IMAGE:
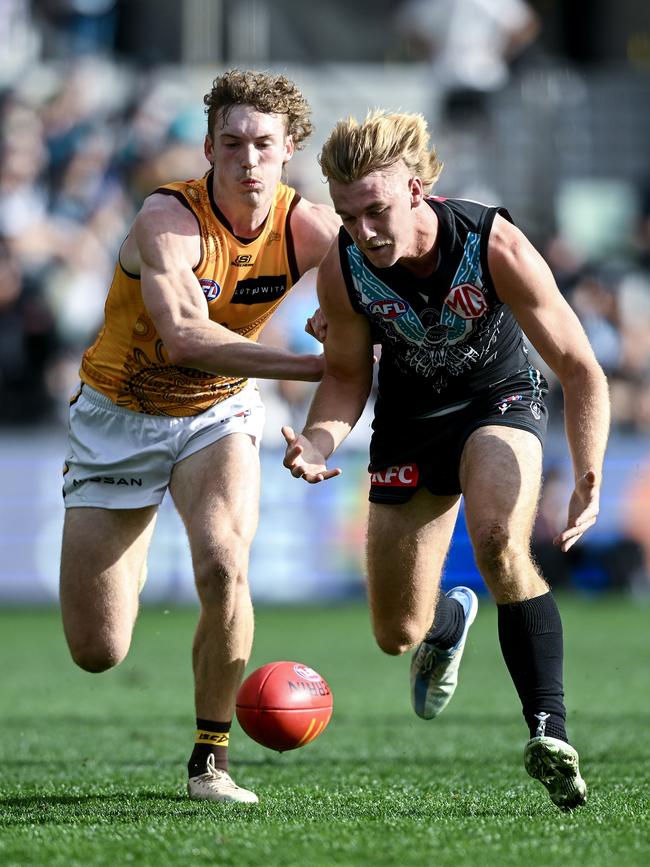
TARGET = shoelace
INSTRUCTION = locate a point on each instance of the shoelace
(213, 773)
(425, 663)
(431, 656)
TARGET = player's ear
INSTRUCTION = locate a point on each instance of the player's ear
(416, 190)
(289, 148)
(208, 149)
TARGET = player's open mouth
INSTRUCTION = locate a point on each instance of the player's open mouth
(375, 247)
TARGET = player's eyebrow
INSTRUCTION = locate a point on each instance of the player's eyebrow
(236, 137)
(369, 207)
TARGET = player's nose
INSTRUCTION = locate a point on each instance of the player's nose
(249, 156)
(364, 230)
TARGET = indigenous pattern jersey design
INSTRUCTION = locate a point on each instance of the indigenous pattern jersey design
(244, 281)
(444, 337)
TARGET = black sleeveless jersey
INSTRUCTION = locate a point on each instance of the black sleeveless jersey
(445, 337)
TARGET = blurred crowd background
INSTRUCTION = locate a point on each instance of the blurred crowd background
(542, 106)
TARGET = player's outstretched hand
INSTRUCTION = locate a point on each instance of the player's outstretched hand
(583, 511)
(303, 460)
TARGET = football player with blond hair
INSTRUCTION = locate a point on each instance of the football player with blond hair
(449, 287)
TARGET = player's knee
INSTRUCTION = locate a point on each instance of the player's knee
(219, 575)
(96, 657)
(396, 640)
(494, 549)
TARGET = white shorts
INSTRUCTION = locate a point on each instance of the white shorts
(120, 459)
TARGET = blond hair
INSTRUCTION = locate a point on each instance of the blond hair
(355, 149)
(271, 94)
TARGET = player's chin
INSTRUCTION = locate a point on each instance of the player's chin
(253, 195)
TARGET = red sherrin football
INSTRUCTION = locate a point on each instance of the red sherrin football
(284, 705)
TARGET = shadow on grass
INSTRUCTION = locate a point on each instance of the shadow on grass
(453, 757)
(105, 810)
(133, 806)
(26, 802)
(465, 719)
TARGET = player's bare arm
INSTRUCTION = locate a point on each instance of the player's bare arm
(344, 389)
(314, 227)
(524, 281)
(166, 237)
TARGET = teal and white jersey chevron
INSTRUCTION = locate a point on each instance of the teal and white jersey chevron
(375, 296)
(439, 341)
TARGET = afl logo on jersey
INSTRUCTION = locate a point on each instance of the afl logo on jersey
(466, 301)
(211, 289)
(388, 308)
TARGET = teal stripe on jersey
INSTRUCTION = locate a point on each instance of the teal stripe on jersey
(370, 288)
(469, 269)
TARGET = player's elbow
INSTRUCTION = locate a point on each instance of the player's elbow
(352, 387)
(583, 375)
(181, 349)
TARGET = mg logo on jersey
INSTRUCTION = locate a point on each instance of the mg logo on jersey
(388, 309)
(466, 301)
(403, 476)
(211, 288)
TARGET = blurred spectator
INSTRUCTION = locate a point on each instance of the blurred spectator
(23, 190)
(470, 45)
(637, 525)
(613, 304)
(19, 38)
(80, 150)
(77, 27)
(619, 563)
(596, 303)
(27, 344)
(564, 260)
(181, 153)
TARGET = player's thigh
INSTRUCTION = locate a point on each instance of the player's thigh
(500, 473)
(102, 558)
(407, 546)
(216, 493)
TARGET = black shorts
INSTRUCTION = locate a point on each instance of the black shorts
(407, 454)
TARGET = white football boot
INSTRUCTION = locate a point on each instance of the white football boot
(218, 785)
(555, 764)
(434, 672)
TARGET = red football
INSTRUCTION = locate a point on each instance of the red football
(284, 705)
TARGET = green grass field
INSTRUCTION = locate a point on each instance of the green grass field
(92, 767)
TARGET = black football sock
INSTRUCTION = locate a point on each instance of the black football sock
(530, 634)
(448, 623)
(211, 739)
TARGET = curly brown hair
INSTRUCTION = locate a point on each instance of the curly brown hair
(355, 149)
(272, 94)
